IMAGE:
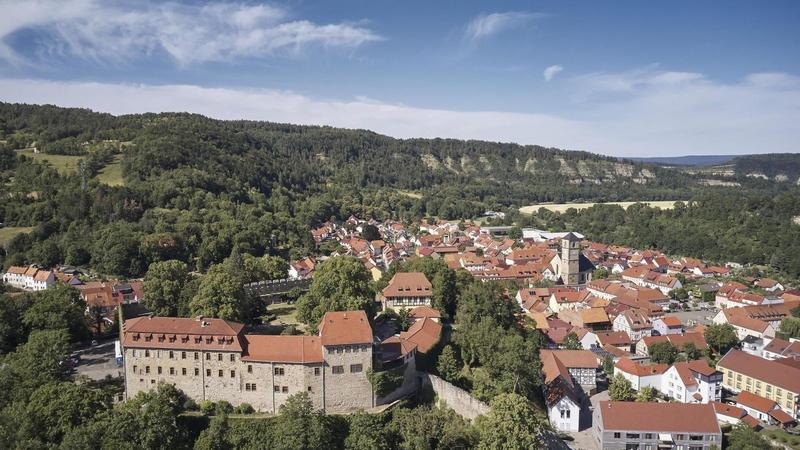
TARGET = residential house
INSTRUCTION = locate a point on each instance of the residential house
(692, 382)
(562, 395)
(777, 380)
(779, 348)
(667, 325)
(629, 425)
(640, 375)
(643, 276)
(302, 268)
(563, 300)
(407, 290)
(768, 284)
(731, 415)
(29, 278)
(763, 409)
(618, 339)
(633, 322)
(424, 312)
(594, 319)
(677, 340)
(581, 364)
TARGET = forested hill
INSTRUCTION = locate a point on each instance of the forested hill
(780, 167)
(120, 192)
(301, 157)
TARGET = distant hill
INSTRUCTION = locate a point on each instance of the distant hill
(780, 167)
(688, 160)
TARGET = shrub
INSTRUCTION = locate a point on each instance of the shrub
(222, 407)
(190, 404)
(244, 408)
(207, 407)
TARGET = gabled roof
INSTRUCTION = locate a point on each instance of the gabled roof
(658, 417)
(344, 328)
(754, 401)
(728, 410)
(678, 340)
(671, 321)
(627, 365)
(423, 333)
(613, 338)
(423, 311)
(773, 372)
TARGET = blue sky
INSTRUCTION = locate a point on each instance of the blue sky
(624, 78)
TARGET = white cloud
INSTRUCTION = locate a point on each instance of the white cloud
(551, 72)
(657, 112)
(486, 25)
(188, 33)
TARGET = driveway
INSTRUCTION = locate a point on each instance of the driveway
(98, 362)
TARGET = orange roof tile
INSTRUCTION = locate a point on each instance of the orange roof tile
(286, 349)
(345, 327)
(408, 284)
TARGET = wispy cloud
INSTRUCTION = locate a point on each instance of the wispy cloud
(551, 71)
(188, 33)
(486, 25)
(644, 112)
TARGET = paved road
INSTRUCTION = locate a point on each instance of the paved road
(97, 362)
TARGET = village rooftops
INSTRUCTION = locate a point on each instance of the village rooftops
(658, 417)
(408, 284)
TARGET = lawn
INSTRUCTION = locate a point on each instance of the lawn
(8, 233)
(561, 207)
(112, 173)
(285, 315)
(62, 163)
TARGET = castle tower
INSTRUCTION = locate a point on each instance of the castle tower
(570, 259)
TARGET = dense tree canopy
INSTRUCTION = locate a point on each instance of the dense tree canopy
(340, 284)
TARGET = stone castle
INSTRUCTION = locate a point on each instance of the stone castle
(211, 359)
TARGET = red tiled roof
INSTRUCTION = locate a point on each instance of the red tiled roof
(671, 321)
(678, 340)
(345, 327)
(424, 311)
(781, 416)
(423, 333)
(613, 337)
(728, 410)
(780, 375)
(286, 349)
(408, 284)
(627, 365)
(182, 333)
(656, 417)
(754, 401)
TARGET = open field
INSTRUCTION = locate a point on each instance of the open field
(561, 207)
(62, 163)
(8, 233)
(112, 173)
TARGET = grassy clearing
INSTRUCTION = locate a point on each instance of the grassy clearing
(8, 233)
(561, 207)
(63, 163)
(410, 194)
(112, 173)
